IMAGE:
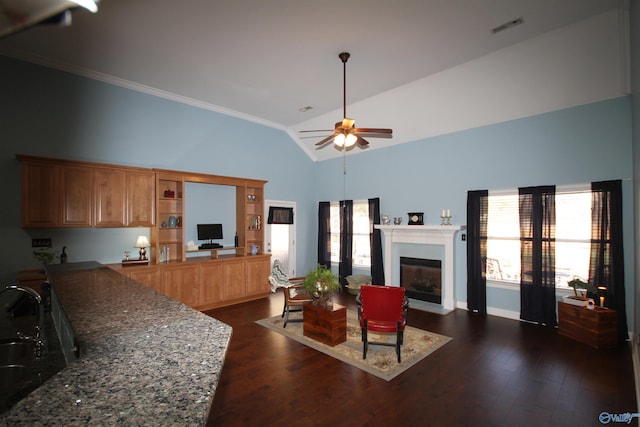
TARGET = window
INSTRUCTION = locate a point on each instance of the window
(361, 242)
(573, 237)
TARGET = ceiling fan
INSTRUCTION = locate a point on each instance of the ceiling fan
(345, 135)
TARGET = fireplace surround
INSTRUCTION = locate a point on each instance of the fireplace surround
(440, 235)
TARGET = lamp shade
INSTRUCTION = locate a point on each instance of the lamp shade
(142, 242)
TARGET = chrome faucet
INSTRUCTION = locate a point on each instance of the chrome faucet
(37, 337)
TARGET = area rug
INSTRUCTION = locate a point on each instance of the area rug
(381, 361)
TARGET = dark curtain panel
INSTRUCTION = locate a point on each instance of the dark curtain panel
(606, 265)
(324, 234)
(477, 218)
(280, 215)
(377, 267)
(537, 251)
(346, 240)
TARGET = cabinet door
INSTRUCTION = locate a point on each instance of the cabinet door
(110, 197)
(233, 282)
(180, 283)
(141, 198)
(76, 185)
(39, 195)
(211, 278)
(258, 275)
(148, 276)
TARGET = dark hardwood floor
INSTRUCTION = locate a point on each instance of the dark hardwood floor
(495, 372)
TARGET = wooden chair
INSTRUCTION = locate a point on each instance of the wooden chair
(382, 309)
(295, 295)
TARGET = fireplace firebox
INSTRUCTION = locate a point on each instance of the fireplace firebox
(422, 278)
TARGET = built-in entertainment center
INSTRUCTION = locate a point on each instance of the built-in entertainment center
(66, 193)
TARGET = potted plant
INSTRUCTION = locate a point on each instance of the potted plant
(320, 283)
(45, 256)
(579, 298)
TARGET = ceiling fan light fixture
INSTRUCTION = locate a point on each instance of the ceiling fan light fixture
(350, 140)
(90, 5)
(345, 134)
(345, 140)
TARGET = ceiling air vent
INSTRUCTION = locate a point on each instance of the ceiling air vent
(507, 25)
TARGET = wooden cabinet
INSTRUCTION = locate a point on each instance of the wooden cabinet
(258, 270)
(149, 276)
(40, 203)
(208, 283)
(180, 282)
(109, 190)
(597, 328)
(65, 193)
(210, 276)
(140, 198)
(124, 198)
(76, 196)
(233, 281)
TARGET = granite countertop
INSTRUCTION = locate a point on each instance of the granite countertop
(145, 358)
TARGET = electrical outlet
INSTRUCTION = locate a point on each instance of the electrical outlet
(41, 243)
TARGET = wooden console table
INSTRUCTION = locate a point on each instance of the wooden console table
(597, 328)
(325, 324)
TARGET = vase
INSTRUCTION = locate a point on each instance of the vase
(322, 298)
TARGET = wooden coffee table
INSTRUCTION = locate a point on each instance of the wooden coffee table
(325, 324)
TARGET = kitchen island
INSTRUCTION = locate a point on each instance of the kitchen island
(144, 358)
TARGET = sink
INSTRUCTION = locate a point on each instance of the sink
(21, 371)
(13, 378)
(16, 352)
(17, 369)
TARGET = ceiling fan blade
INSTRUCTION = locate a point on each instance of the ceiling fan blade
(375, 135)
(362, 143)
(325, 140)
(372, 130)
(317, 130)
(348, 123)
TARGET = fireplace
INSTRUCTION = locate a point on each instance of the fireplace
(422, 278)
(444, 236)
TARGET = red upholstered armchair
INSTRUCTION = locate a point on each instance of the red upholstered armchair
(382, 309)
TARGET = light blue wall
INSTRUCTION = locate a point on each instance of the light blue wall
(50, 113)
(54, 114)
(577, 145)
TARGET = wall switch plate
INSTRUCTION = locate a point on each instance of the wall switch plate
(41, 243)
(464, 237)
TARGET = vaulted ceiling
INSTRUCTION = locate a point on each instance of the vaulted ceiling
(265, 60)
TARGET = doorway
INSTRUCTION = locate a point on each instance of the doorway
(281, 238)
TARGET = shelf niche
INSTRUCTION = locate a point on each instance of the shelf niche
(216, 196)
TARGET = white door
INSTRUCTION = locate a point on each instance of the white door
(281, 238)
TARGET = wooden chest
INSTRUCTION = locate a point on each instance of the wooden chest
(325, 324)
(597, 328)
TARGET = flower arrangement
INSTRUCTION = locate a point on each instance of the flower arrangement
(321, 282)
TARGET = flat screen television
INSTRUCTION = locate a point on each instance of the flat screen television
(208, 232)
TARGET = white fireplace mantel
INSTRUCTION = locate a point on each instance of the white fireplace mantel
(443, 235)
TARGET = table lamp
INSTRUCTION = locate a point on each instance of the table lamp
(142, 243)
